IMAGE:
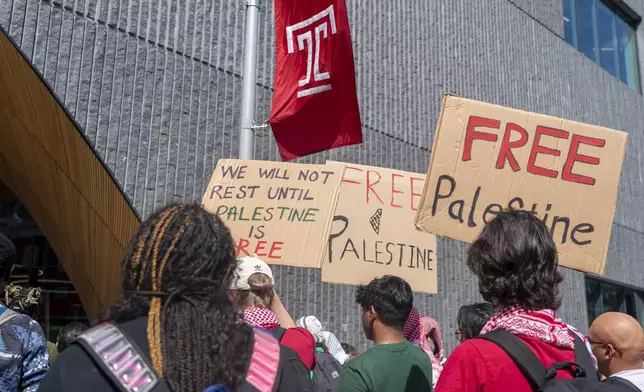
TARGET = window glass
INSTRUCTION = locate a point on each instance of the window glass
(586, 29)
(607, 39)
(612, 297)
(598, 30)
(627, 54)
(639, 306)
(629, 303)
(602, 297)
(593, 299)
(570, 22)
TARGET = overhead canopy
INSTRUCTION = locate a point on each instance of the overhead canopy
(51, 168)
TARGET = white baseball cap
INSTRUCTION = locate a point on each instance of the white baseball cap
(247, 266)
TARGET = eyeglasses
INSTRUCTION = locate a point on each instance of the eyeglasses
(459, 335)
(604, 344)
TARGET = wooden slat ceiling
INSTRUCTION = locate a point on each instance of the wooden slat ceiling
(53, 171)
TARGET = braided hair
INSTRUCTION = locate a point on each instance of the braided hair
(177, 272)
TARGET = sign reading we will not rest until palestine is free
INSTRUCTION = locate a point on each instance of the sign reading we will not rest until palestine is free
(280, 212)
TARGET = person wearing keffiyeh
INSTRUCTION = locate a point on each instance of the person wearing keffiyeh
(418, 330)
(515, 261)
(253, 293)
(326, 338)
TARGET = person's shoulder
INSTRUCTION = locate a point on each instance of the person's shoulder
(472, 349)
(74, 369)
(22, 321)
(26, 328)
(362, 360)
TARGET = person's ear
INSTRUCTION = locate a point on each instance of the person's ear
(609, 351)
(369, 313)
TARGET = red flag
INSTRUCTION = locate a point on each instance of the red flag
(315, 106)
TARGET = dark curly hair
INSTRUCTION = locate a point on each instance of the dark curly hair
(391, 298)
(472, 318)
(68, 334)
(177, 272)
(515, 261)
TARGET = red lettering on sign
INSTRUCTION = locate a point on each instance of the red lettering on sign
(393, 189)
(261, 245)
(371, 184)
(275, 247)
(574, 156)
(414, 194)
(472, 134)
(539, 149)
(241, 247)
(351, 181)
(505, 153)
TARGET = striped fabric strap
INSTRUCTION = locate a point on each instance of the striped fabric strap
(120, 357)
(264, 363)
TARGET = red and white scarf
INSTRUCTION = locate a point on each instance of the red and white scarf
(417, 329)
(261, 317)
(542, 325)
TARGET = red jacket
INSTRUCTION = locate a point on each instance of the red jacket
(479, 365)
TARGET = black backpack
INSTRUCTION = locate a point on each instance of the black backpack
(122, 361)
(326, 375)
(543, 379)
(624, 383)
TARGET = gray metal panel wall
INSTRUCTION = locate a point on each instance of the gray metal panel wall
(156, 87)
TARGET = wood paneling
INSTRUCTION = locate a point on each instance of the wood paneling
(54, 172)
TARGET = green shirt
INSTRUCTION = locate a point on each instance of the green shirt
(400, 367)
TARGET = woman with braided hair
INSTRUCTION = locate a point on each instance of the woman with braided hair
(175, 309)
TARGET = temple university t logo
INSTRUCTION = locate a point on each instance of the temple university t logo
(308, 35)
(313, 50)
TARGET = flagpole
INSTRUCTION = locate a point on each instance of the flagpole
(247, 134)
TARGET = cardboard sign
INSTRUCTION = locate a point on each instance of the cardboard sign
(373, 231)
(487, 158)
(279, 211)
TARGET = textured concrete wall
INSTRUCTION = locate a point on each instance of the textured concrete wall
(155, 85)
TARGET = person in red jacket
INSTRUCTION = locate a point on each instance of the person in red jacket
(515, 261)
(253, 292)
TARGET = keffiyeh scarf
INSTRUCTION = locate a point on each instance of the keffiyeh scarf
(261, 317)
(417, 330)
(542, 325)
(330, 341)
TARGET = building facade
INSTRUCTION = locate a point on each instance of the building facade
(155, 88)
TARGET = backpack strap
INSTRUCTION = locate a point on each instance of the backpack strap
(264, 362)
(582, 356)
(120, 359)
(279, 333)
(7, 315)
(523, 357)
(622, 382)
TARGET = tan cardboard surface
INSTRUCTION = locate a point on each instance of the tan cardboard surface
(373, 231)
(566, 172)
(279, 211)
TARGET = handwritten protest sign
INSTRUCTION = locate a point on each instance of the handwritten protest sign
(487, 158)
(373, 231)
(279, 211)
